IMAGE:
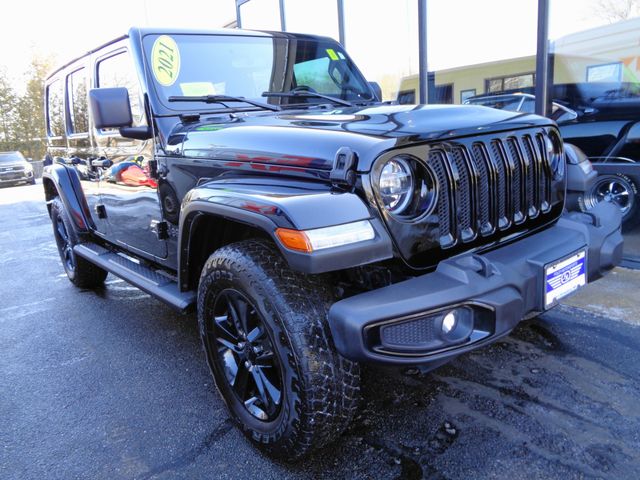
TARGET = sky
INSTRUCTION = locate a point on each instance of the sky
(68, 28)
(381, 34)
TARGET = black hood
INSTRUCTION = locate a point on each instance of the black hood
(310, 138)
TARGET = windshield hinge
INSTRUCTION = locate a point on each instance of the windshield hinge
(189, 117)
(343, 171)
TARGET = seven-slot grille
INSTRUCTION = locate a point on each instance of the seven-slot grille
(490, 185)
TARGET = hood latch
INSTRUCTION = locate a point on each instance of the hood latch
(343, 171)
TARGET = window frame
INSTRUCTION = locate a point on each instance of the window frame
(119, 49)
(502, 78)
(49, 132)
(600, 65)
(69, 104)
(463, 92)
(408, 92)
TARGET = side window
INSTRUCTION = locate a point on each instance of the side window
(315, 74)
(407, 97)
(117, 71)
(55, 109)
(77, 98)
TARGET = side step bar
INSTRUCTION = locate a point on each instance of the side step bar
(152, 282)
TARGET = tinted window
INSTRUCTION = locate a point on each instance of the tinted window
(407, 97)
(443, 94)
(78, 107)
(117, 71)
(55, 109)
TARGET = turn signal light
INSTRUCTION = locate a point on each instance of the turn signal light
(328, 237)
(294, 239)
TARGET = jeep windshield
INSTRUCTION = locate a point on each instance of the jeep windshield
(207, 66)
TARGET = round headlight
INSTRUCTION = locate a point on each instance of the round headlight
(396, 185)
(555, 153)
(407, 187)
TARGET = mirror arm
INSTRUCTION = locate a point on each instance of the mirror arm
(137, 133)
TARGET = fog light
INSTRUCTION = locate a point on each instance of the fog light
(449, 322)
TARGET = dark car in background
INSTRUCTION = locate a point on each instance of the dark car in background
(603, 120)
(15, 169)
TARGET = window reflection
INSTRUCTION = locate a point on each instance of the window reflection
(477, 48)
(596, 73)
(55, 109)
(382, 38)
(78, 106)
(118, 71)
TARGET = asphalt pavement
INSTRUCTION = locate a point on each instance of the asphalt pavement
(112, 384)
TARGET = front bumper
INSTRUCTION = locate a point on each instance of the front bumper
(16, 176)
(499, 288)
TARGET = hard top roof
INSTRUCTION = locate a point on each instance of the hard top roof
(142, 31)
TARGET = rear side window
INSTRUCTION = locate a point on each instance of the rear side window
(117, 71)
(78, 106)
(55, 109)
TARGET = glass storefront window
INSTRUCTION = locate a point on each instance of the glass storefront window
(382, 38)
(260, 15)
(477, 48)
(595, 62)
(321, 19)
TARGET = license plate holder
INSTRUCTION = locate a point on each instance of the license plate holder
(564, 276)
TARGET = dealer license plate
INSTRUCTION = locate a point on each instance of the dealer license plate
(564, 277)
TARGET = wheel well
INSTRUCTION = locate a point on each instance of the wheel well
(209, 234)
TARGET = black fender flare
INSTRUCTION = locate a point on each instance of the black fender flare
(67, 186)
(274, 207)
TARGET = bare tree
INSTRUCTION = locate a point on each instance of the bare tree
(617, 10)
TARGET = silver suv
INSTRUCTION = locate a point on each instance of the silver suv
(14, 169)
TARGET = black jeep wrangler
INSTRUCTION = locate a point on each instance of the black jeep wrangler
(258, 178)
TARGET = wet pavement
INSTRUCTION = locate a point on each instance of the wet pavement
(112, 384)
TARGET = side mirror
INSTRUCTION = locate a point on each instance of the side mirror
(375, 86)
(633, 135)
(110, 107)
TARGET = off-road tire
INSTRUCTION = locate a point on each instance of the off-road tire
(81, 272)
(320, 388)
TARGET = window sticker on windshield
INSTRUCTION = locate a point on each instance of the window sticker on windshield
(332, 54)
(197, 89)
(165, 60)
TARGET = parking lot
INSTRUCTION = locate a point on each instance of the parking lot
(113, 384)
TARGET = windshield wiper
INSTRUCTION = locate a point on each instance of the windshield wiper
(307, 94)
(223, 100)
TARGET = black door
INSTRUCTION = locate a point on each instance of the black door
(128, 194)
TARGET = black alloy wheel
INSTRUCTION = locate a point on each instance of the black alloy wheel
(621, 191)
(80, 272)
(268, 344)
(64, 245)
(240, 347)
(616, 191)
